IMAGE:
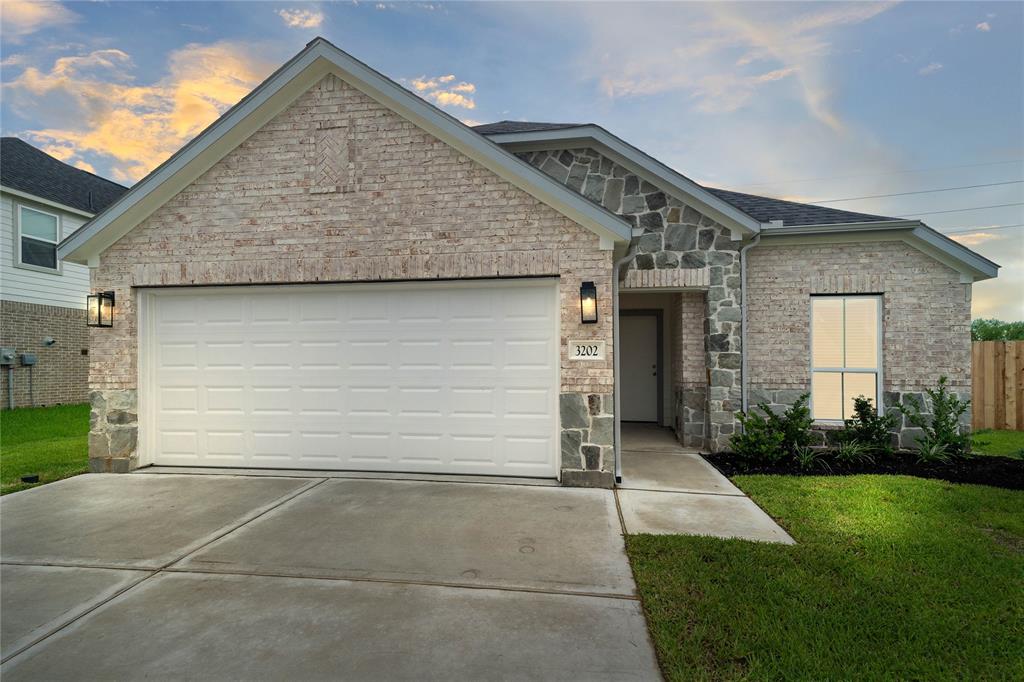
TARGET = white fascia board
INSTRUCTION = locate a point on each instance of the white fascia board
(644, 165)
(277, 92)
(912, 232)
(46, 202)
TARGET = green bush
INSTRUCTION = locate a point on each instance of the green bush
(771, 438)
(942, 428)
(758, 441)
(868, 428)
(809, 459)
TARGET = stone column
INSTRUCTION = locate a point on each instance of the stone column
(113, 431)
(588, 435)
(722, 342)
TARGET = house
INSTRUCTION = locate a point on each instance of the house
(42, 298)
(338, 275)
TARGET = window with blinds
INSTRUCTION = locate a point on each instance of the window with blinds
(845, 353)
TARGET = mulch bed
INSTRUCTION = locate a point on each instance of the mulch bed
(1001, 472)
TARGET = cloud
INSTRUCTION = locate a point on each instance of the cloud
(934, 67)
(23, 17)
(974, 238)
(440, 90)
(726, 54)
(301, 18)
(90, 103)
(984, 27)
(447, 98)
(84, 165)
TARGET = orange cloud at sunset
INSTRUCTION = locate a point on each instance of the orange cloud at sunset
(137, 126)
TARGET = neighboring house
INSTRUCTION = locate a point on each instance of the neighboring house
(42, 299)
(338, 275)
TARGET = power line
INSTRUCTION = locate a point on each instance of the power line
(993, 228)
(957, 210)
(872, 175)
(921, 191)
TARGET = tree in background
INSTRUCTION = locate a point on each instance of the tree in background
(997, 330)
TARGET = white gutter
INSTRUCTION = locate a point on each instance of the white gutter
(743, 322)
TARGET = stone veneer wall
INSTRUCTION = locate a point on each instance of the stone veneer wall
(61, 372)
(926, 318)
(674, 236)
(339, 188)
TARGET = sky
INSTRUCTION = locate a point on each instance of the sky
(806, 101)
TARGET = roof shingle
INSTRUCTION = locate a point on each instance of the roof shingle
(33, 171)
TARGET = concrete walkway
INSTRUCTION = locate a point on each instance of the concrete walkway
(667, 489)
(263, 577)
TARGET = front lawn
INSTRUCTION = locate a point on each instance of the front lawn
(49, 441)
(1003, 443)
(892, 577)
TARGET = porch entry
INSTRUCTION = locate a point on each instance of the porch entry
(641, 366)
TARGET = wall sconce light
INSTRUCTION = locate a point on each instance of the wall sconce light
(99, 309)
(588, 303)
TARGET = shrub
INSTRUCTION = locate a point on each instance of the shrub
(758, 441)
(771, 437)
(942, 428)
(852, 452)
(812, 458)
(868, 428)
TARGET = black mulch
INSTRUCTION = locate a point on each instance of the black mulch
(1001, 472)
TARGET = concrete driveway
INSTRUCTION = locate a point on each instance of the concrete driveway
(264, 577)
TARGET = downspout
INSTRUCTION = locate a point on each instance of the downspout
(616, 364)
(743, 320)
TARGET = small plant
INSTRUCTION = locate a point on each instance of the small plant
(794, 424)
(869, 428)
(808, 458)
(851, 452)
(771, 438)
(929, 452)
(942, 427)
(758, 441)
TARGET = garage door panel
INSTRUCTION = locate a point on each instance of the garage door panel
(425, 379)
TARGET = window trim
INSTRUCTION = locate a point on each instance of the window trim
(59, 269)
(877, 371)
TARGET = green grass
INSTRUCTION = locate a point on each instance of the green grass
(892, 578)
(49, 441)
(1005, 443)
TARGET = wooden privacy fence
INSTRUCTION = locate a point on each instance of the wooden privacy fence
(997, 385)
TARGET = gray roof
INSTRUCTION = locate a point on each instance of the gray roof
(762, 209)
(766, 209)
(33, 171)
(521, 127)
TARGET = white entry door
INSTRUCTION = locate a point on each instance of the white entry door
(424, 377)
(638, 336)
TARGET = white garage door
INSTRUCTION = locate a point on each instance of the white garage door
(431, 377)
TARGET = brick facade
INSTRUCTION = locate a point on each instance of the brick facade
(926, 317)
(61, 372)
(392, 203)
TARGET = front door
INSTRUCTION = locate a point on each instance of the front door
(639, 365)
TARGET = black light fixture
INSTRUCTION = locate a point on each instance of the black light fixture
(588, 303)
(99, 308)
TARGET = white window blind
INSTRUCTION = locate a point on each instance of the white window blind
(845, 354)
(38, 238)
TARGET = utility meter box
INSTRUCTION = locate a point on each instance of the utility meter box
(28, 359)
(6, 357)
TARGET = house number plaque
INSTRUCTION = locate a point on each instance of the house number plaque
(586, 350)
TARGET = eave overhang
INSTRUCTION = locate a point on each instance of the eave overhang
(972, 266)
